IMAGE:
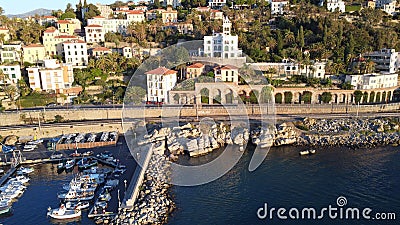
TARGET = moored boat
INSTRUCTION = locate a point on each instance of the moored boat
(4, 208)
(304, 152)
(70, 164)
(64, 213)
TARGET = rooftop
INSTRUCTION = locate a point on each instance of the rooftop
(34, 46)
(94, 25)
(101, 49)
(196, 65)
(161, 71)
(73, 41)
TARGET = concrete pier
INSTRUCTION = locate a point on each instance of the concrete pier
(133, 190)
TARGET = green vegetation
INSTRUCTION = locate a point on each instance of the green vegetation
(288, 97)
(326, 97)
(36, 99)
(58, 119)
(352, 8)
(358, 96)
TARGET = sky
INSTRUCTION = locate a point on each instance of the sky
(22, 6)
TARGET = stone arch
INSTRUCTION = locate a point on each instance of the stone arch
(228, 96)
(365, 97)
(343, 98)
(254, 96)
(389, 96)
(279, 98)
(307, 97)
(217, 96)
(335, 98)
(319, 98)
(378, 97)
(176, 97)
(243, 96)
(288, 97)
(372, 97)
(205, 96)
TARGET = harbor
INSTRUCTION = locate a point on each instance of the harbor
(116, 159)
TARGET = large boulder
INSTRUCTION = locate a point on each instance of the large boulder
(10, 140)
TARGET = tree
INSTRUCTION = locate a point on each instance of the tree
(288, 97)
(306, 97)
(347, 86)
(68, 14)
(326, 97)
(10, 91)
(135, 95)
(278, 98)
(301, 38)
(266, 94)
(58, 118)
(358, 96)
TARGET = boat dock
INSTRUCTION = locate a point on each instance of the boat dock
(7, 175)
(133, 189)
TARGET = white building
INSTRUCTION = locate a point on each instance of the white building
(278, 6)
(110, 25)
(94, 33)
(222, 45)
(388, 6)
(386, 60)
(75, 52)
(12, 72)
(227, 73)
(333, 5)
(372, 81)
(53, 76)
(159, 82)
(135, 16)
(10, 52)
(315, 70)
(216, 3)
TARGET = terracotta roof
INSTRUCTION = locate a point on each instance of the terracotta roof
(66, 36)
(101, 49)
(63, 21)
(33, 46)
(98, 17)
(3, 28)
(161, 71)
(196, 65)
(227, 67)
(73, 41)
(135, 12)
(94, 25)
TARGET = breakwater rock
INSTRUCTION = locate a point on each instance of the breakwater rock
(355, 133)
(154, 202)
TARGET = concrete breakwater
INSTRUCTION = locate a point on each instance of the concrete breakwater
(154, 201)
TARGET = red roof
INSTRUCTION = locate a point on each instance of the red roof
(98, 17)
(196, 65)
(94, 25)
(101, 49)
(33, 46)
(161, 71)
(63, 21)
(3, 28)
(135, 12)
(49, 17)
(227, 67)
(66, 36)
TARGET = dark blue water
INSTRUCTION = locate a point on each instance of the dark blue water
(367, 178)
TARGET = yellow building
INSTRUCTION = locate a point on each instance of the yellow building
(33, 53)
(170, 16)
(194, 70)
(68, 26)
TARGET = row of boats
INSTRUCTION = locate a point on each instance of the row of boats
(77, 194)
(88, 137)
(84, 163)
(13, 189)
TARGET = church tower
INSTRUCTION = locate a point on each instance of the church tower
(226, 26)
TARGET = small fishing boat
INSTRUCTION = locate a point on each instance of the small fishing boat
(304, 152)
(85, 163)
(63, 213)
(312, 151)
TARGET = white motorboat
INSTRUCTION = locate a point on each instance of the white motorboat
(304, 152)
(25, 170)
(70, 164)
(105, 197)
(312, 151)
(64, 213)
(77, 205)
(4, 208)
(73, 195)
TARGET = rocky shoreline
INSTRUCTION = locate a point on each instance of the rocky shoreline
(155, 203)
